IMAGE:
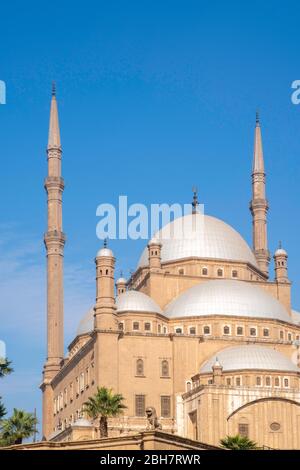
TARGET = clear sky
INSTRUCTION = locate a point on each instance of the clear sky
(154, 97)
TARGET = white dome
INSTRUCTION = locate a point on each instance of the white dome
(105, 252)
(86, 324)
(130, 301)
(82, 422)
(296, 317)
(135, 301)
(250, 357)
(280, 252)
(121, 280)
(229, 298)
(212, 238)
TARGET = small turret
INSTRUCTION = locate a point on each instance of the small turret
(154, 254)
(281, 268)
(217, 369)
(121, 285)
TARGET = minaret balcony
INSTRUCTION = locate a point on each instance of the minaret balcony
(54, 182)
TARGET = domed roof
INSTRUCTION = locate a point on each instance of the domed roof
(82, 422)
(280, 252)
(86, 323)
(296, 317)
(130, 301)
(229, 298)
(105, 252)
(250, 357)
(121, 280)
(135, 301)
(200, 236)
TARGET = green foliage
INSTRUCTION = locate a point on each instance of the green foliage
(19, 426)
(2, 409)
(5, 368)
(238, 443)
(104, 404)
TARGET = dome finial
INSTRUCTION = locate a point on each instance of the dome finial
(257, 117)
(105, 242)
(280, 244)
(53, 88)
(195, 202)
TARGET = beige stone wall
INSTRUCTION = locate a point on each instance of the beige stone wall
(213, 412)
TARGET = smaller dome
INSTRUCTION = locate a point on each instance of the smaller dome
(86, 324)
(250, 357)
(82, 423)
(105, 252)
(154, 241)
(135, 301)
(280, 252)
(121, 280)
(296, 317)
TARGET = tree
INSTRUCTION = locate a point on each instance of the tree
(19, 426)
(238, 443)
(104, 404)
(5, 368)
(2, 409)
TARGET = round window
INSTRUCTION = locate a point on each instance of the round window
(275, 426)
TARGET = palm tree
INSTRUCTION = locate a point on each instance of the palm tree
(19, 426)
(104, 404)
(5, 368)
(2, 409)
(238, 443)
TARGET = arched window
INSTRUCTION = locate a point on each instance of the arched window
(234, 273)
(165, 368)
(268, 381)
(220, 272)
(140, 367)
(206, 330)
(258, 381)
(289, 336)
(147, 326)
(181, 271)
(253, 331)
(281, 335)
(286, 382)
(188, 386)
(239, 330)
(226, 330)
(266, 331)
(159, 328)
(277, 382)
(136, 325)
(121, 326)
(204, 271)
(192, 330)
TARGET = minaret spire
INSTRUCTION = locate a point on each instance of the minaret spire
(54, 241)
(259, 204)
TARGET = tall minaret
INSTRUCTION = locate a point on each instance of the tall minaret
(259, 204)
(54, 241)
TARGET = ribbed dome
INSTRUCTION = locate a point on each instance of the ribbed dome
(135, 301)
(200, 236)
(229, 298)
(250, 357)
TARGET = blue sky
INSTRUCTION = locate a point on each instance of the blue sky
(154, 97)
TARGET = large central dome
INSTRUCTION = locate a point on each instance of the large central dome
(212, 239)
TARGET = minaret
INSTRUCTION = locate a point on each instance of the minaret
(281, 267)
(259, 204)
(54, 241)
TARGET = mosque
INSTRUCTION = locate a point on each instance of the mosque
(202, 331)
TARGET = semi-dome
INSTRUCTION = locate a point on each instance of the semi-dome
(229, 298)
(200, 236)
(135, 301)
(86, 323)
(250, 357)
